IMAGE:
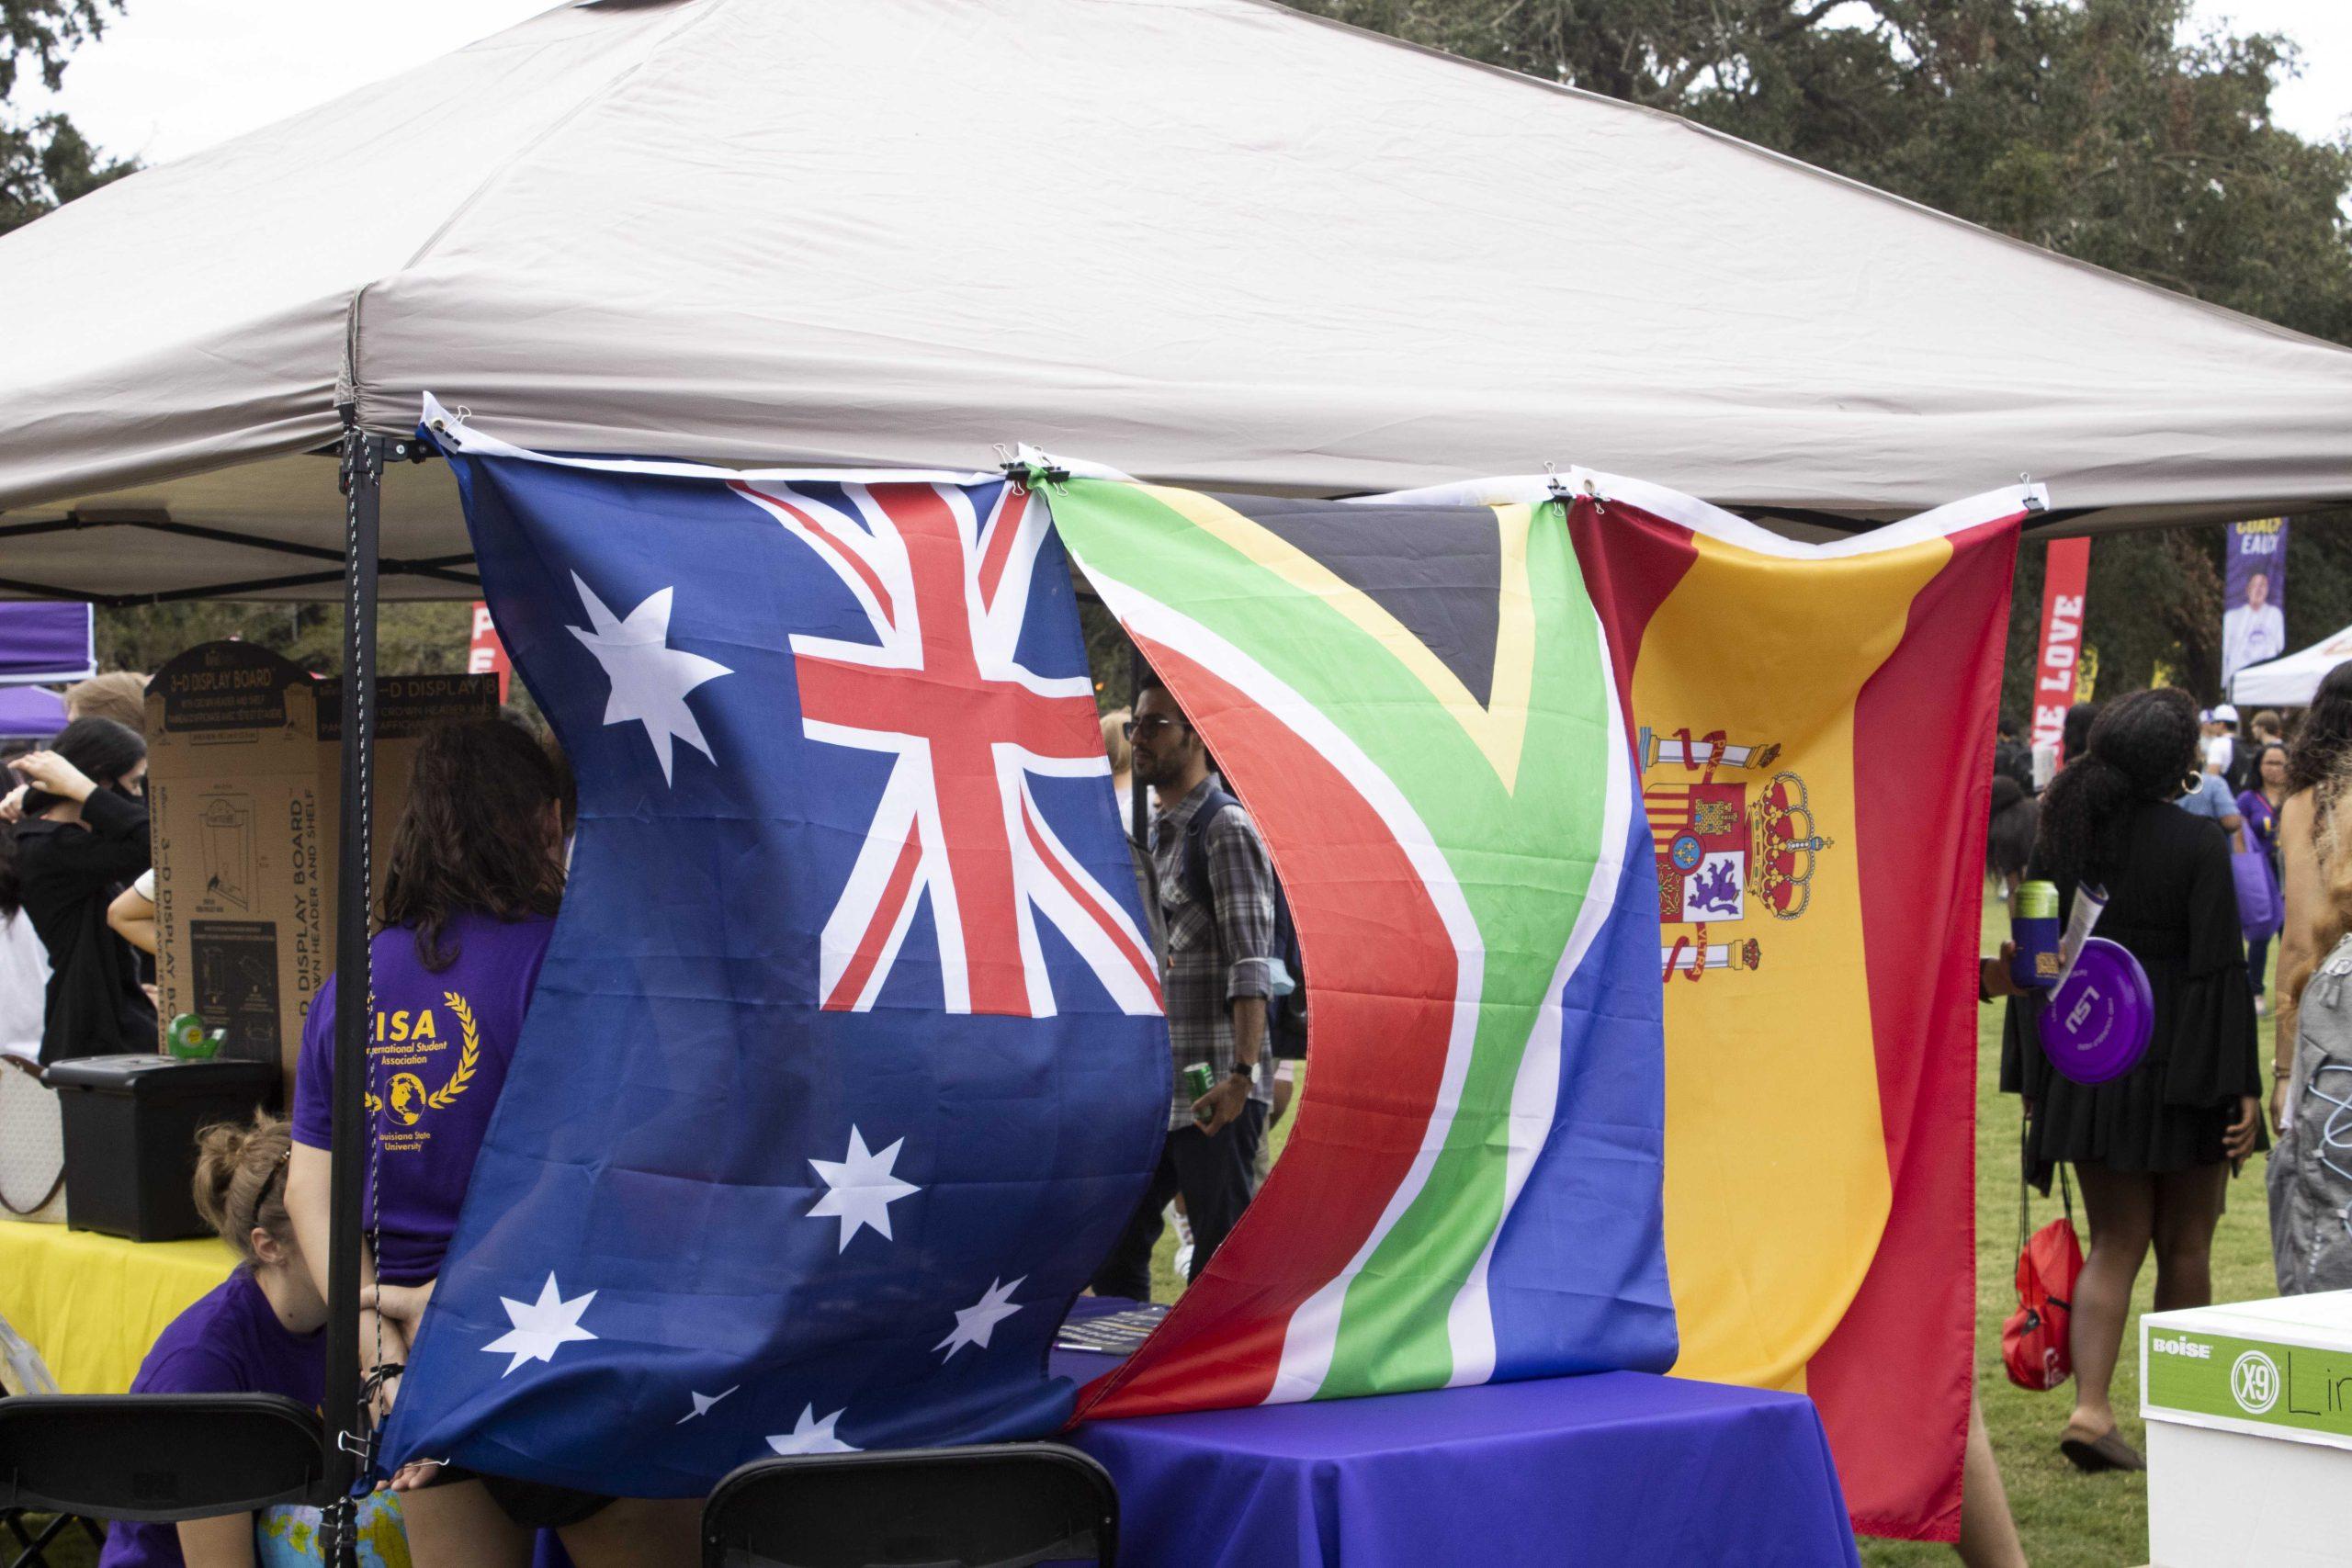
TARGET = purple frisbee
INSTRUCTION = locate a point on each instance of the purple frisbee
(2097, 1024)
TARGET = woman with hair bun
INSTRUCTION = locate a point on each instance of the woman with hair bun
(2154, 1148)
(262, 1331)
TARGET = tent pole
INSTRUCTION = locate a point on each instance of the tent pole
(347, 1426)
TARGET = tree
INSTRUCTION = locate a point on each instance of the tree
(2090, 127)
(411, 638)
(46, 161)
(2101, 130)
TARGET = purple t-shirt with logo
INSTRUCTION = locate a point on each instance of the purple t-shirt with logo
(437, 1056)
(230, 1342)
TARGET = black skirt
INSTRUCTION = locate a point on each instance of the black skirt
(2173, 905)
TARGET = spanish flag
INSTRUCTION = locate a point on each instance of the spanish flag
(1813, 725)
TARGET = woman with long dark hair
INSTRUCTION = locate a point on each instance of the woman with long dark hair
(82, 838)
(2153, 1149)
(471, 893)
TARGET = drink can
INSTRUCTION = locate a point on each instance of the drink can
(1199, 1078)
(2034, 929)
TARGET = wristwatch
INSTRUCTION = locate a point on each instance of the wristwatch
(1247, 1074)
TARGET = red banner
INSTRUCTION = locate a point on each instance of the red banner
(487, 655)
(2063, 579)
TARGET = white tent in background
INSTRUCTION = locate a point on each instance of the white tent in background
(2291, 681)
(1215, 241)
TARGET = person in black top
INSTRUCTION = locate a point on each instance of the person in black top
(83, 837)
(2153, 1149)
(2011, 758)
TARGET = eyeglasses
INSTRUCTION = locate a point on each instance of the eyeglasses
(1152, 724)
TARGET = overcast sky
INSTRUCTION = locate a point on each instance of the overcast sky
(173, 77)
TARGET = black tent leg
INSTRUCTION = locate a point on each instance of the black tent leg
(347, 1427)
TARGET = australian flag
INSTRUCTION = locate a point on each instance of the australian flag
(846, 1064)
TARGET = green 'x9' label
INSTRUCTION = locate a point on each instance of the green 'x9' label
(2293, 1387)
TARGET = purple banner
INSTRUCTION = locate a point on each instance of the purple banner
(28, 713)
(45, 643)
(2254, 598)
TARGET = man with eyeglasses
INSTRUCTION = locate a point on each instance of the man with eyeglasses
(1217, 893)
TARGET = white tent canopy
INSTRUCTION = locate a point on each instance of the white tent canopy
(2292, 681)
(1212, 242)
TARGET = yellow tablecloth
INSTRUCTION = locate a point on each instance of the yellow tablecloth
(92, 1305)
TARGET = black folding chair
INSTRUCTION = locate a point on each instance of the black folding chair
(33, 1546)
(159, 1457)
(994, 1505)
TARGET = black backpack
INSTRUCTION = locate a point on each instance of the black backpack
(2239, 775)
(1285, 1016)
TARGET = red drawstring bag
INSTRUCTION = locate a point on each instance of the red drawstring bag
(2033, 1342)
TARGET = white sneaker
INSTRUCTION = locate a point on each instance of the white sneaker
(2261, 1007)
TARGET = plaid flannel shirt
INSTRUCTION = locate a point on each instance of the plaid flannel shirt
(1216, 953)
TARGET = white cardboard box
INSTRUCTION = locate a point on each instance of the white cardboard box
(2249, 1413)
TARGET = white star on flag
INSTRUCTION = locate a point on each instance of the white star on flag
(540, 1326)
(703, 1402)
(649, 678)
(974, 1323)
(810, 1435)
(861, 1187)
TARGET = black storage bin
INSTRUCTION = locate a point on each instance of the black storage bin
(130, 1126)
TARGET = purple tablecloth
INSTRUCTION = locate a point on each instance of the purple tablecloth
(1613, 1468)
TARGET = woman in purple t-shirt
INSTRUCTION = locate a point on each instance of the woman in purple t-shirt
(260, 1332)
(471, 893)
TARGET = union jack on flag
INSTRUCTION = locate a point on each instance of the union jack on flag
(942, 690)
(844, 1066)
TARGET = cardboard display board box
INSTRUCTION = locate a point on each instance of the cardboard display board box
(2249, 1413)
(243, 787)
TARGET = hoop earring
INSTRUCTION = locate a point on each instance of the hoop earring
(2191, 782)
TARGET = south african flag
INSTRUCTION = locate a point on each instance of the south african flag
(1418, 704)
